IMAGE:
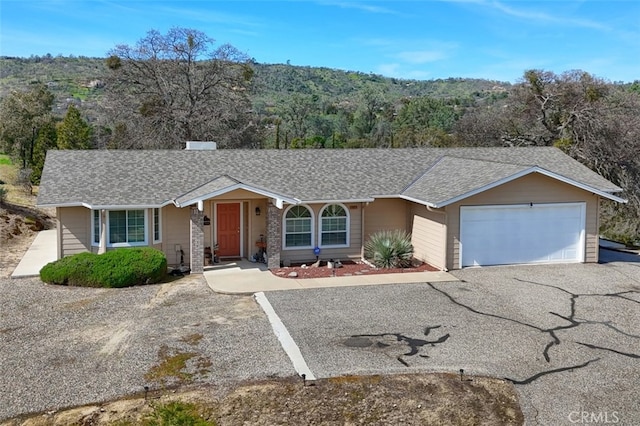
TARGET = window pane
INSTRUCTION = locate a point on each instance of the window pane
(298, 225)
(96, 226)
(156, 224)
(298, 211)
(333, 211)
(135, 226)
(334, 238)
(334, 225)
(298, 240)
(117, 227)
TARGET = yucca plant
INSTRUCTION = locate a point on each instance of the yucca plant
(389, 249)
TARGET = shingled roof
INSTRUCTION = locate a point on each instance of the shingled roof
(432, 176)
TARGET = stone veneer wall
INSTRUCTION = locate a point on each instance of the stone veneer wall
(197, 241)
(274, 236)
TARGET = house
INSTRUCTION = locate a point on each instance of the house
(462, 206)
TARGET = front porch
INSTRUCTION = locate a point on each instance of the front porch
(224, 229)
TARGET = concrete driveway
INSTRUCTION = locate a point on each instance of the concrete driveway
(567, 336)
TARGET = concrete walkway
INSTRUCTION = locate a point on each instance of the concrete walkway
(244, 277)
(42, 251)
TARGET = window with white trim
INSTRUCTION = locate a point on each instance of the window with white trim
(334, 226)
(298, 225)
(157, 234)
(96, 227)
(124, 227)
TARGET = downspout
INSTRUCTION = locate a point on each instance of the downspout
(362, 236)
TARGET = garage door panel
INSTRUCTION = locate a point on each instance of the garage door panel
(540, 233)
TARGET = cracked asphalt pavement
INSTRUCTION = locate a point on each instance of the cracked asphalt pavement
(567, 336)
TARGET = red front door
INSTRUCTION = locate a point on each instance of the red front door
(228, 225)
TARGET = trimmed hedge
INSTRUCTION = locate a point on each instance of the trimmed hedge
(118, 268)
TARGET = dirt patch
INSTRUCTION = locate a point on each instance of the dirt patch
(19, 226)
(348, 268)
(413, 399)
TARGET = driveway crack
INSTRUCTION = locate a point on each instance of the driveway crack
(547, 372)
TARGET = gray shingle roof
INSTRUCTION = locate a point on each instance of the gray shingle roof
(439, 185)
(432, 175)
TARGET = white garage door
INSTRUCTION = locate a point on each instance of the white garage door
(513, 234)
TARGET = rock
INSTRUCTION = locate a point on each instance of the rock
(292, 274)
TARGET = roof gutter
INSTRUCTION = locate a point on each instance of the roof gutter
(525, 172)
(279, 199)
(354, 200)
(106, 206)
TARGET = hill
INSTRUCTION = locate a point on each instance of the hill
(79, 80)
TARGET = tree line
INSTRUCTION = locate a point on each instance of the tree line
(179, 86)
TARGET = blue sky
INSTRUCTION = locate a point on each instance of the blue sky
(495, 40)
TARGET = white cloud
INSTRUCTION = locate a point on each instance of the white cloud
(542, 17)
(396, 70)
(390, 70)
(360, 6)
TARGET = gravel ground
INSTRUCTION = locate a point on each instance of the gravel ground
(62, 346)
(567, 335)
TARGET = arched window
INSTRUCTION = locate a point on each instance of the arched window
(298, 224)
(334, 226)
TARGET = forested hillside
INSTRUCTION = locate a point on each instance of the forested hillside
(80, 80)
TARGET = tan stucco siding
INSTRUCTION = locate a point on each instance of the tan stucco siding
(255, 225)
(176, 231)
(428, 235)
(74, 230)
(337, 253)
(532, 188)
(385, 214)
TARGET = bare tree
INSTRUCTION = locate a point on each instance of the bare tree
(594, 121)
(174, 87)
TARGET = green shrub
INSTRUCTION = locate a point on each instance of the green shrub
(71, 270)
(118, 268)
(176, 414)
(129, 266)
(389, 249)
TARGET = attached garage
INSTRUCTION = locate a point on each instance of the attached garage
(523, 233)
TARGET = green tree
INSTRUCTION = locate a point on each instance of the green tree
(23, 113)
(45, 140)
(73, 131)
(424, 121)
(371, 104)
(175, 87)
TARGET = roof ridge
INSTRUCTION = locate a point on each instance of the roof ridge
(206, 183)
(488, 160)
(419, 177)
